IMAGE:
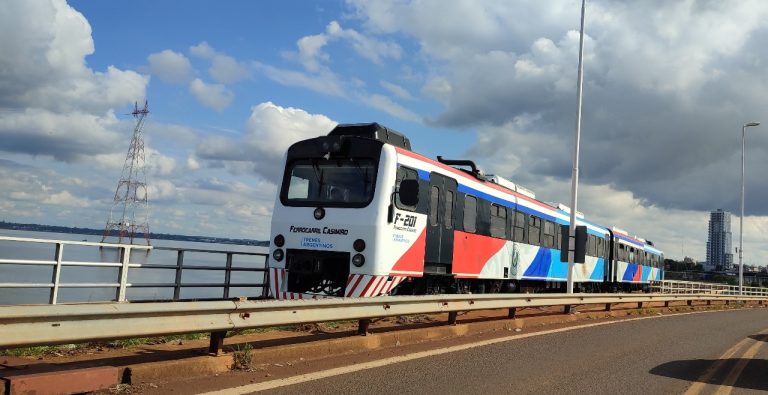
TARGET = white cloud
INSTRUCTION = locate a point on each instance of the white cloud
(64, 198)
(385, 104)
(170, 66)
(396, 90)
(224, 68)
(310, 48)
(269, 131)
(214, 96)
(324, 82)
(53, 104)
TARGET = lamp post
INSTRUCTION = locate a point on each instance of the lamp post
(741, 218)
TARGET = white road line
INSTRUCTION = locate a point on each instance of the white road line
(266, 385)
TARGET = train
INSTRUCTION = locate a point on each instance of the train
(358, 213)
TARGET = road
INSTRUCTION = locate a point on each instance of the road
(701, 353)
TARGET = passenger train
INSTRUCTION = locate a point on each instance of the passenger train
(359, 214)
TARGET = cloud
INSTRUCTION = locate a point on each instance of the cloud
(385, 104)
(324, 82)
(51, 103)
(170, 66)
(214, 96)
(64, 198)
(667, 87)
(224, 68)
(396, 90)
(269, 131)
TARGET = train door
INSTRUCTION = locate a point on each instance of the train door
(440, 222)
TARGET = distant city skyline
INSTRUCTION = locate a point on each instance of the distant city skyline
(230, 85)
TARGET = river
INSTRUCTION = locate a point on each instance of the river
(74, 253)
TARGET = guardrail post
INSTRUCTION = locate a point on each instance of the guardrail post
(56, 274)
(608, 307)
(639, 305)
(568, 309)
(177, 281)
(452, 315)
(666, 303)
(125, 258)
(217, 342)
(362, 327)
(690, 302)
(227, 275)
(513, 311)
(709, 302)
(727, 302)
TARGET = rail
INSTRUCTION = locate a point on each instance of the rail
(691, 287)
(45, 324)
(124, 264)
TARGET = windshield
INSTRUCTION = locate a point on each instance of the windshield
(335, 182)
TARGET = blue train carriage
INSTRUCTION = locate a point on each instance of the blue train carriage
(636, 262)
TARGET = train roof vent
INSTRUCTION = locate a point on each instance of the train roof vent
(499, 180)
(373, 131)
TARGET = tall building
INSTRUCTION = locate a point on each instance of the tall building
(719, 251)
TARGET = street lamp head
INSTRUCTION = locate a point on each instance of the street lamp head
(751, 124)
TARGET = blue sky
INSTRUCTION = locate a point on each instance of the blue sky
(231, 84)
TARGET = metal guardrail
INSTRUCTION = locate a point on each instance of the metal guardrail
(121, 283)
(691, 287)
(44, 324)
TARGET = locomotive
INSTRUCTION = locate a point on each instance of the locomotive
(359, 214)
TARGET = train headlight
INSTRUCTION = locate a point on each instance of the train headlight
(319, 213)
(279, 240)
(278, 255)
(358, 260)
(359, 245)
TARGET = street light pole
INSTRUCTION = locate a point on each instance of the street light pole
(575, 173)
(741, 218)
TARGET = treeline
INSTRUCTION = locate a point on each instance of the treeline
(154, 236)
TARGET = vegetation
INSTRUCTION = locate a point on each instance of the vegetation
(243, 358)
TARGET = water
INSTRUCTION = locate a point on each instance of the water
(72, 274)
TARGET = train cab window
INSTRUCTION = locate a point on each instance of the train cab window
(448, 210)
(470, 213)
(549, 234)
(404, 173)
(534, 230)
(518, 229)
(498, 221)
(434, 205)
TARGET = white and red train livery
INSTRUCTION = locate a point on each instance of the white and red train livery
(358, 214)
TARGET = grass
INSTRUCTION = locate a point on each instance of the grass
(243, 358)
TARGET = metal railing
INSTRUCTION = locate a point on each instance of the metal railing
(692, 288)
(124, 265)
(38, 325)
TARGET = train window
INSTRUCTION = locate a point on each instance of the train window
(470, 213)
(519, 227)
(434, 205)
(534, 230)
(631, 255)
(549, 234)
(498, 221)
(448, 209)
(404, 173)
(590, 245)
(598, 247)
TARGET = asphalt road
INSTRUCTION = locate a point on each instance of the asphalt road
(699, 353)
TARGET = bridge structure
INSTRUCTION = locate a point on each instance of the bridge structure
(123, 317)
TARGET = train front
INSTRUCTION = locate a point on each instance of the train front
(335, 194)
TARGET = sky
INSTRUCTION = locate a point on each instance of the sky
(230, 85)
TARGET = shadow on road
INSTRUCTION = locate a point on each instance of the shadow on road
(760, 338)
(752, 377)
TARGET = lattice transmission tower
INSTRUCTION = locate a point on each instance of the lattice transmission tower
(129, 215)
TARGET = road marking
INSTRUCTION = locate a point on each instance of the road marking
(266, 385)
(703, 381)
(733, 375)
